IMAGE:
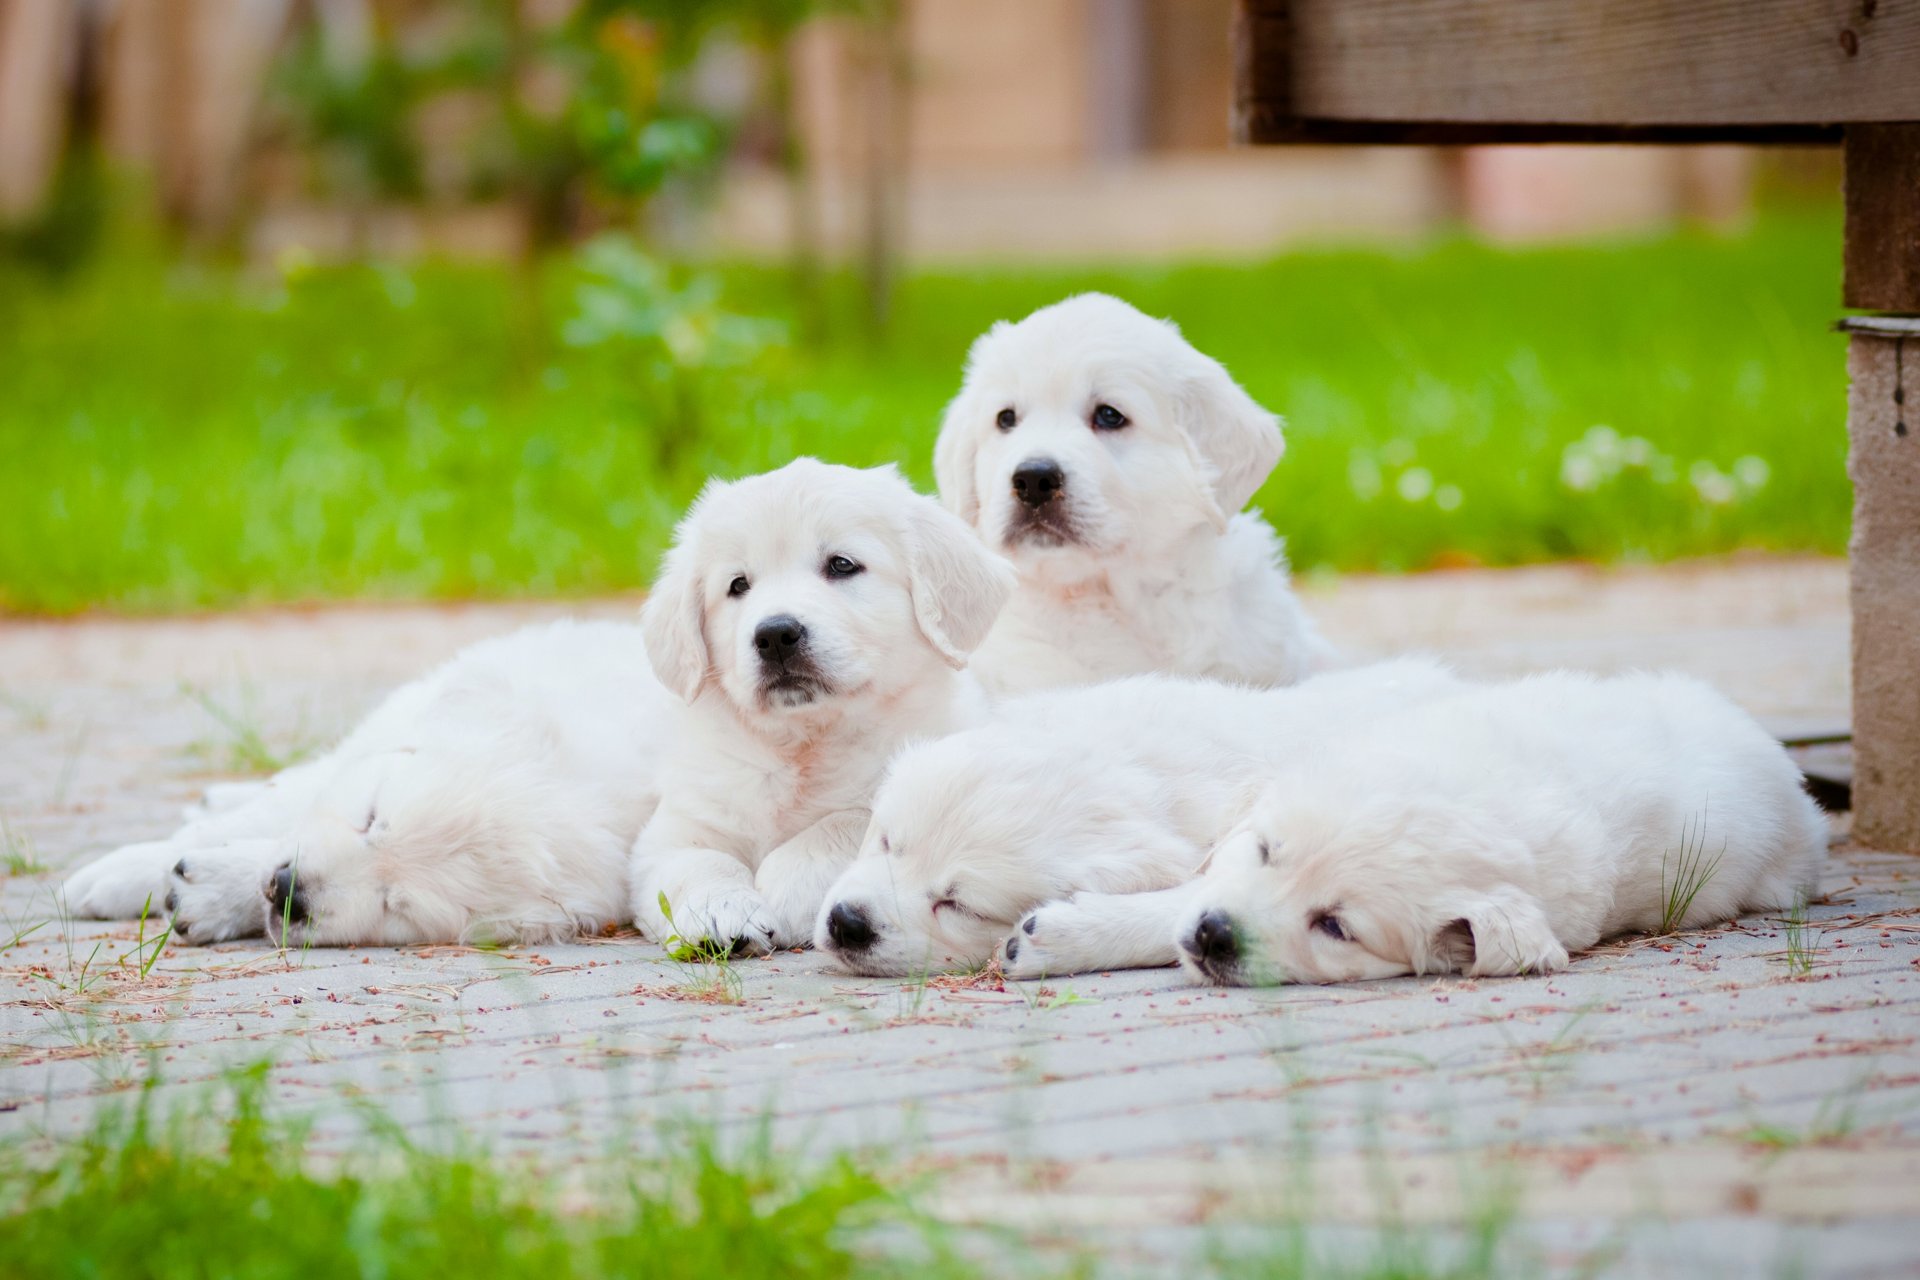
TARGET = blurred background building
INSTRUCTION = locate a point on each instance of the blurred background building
(934, 129)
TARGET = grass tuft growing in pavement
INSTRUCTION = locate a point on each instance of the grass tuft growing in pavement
(1685, 871)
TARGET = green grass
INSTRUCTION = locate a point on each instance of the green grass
(19, 856)
(231, 1188)
(184, 436)
(239, 1196)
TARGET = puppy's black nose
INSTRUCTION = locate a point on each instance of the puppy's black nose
(778, 638)
(1036, 480)
(1212, 939)
(289, 903)
(848, 927)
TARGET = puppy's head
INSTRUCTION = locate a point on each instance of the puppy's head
(1319, 886)
(972, 831)
(813, 585)
(440, 844)
(1088, 431)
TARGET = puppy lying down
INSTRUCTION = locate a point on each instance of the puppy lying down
(808, 621)
(1113, 789)
(1410, 823)
(1498, 830)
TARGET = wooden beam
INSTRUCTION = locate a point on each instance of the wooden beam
(1883, 218)
(1883, 459)
(1573, 70)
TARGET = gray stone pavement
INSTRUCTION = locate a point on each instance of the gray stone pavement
(1735, 1102)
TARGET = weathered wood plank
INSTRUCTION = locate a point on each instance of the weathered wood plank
(1883, 217)
(1572, 70)
(1883, 460)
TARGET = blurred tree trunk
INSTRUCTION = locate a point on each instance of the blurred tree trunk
(181, 86)
(39, 44)
(885, 69)
(803, 188)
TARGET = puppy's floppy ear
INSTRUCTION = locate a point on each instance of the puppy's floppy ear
(1237, 440)
(1500, 932)
(961, 428)
(958, 585)
(673, 623)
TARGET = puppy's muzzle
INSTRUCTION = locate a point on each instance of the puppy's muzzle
(285, 896)
(848, 928)
(1213, 944)
(1038, 481)
(779, 640)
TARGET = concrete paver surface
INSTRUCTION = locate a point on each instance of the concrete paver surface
(1740, 1101)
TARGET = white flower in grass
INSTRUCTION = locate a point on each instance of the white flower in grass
(1414, 484)
(1448, 497)
(1636, 451)
(1713, 485)
(1602, 443)
(1577, 471)
(1752, 472)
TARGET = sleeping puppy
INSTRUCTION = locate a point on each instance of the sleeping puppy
(810, 621)
(1110, 461)
(1113, 789)
(493, 799)
(1495, 831)
(500, 797)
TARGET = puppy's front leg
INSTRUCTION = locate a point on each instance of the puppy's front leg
(708, 890)
(795, 877)
(1091, 931)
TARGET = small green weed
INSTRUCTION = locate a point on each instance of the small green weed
(244, 749)
(1801, 945)
(1685, 871)
(17, 851)
(705, 964)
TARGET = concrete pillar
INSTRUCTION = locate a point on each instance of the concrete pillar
(1883, 459)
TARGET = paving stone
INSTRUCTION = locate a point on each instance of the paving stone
(1679, 1106)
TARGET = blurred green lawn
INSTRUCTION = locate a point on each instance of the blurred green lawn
(183, 437)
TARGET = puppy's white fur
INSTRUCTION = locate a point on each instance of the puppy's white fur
(493, 798)
(767, 787)
(1497, 830)
(500, 796)
(1144, 561)
(1116, 789)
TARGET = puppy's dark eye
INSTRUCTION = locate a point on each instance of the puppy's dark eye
(842, 567)
(1007, 419)
(1329, 924)
(738, 587)
(1108, 418)
(1266, 853)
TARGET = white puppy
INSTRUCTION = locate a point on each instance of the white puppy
(1108, 789)
(1110, 460)
(1497, 830)
(493, 799)
(811, 620)
(500, 797)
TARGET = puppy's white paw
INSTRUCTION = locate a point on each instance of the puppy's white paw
(730, 918)
(793, 904)
(218, 894)
(118, 885)
(1048, 942)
